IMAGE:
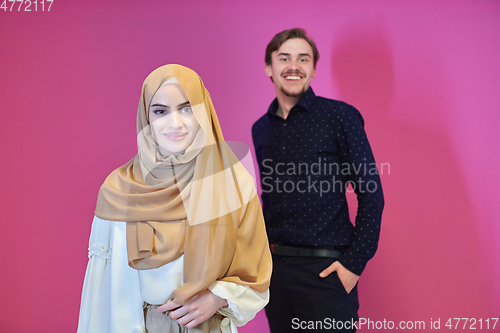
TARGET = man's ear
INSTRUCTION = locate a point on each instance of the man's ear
(268, 69)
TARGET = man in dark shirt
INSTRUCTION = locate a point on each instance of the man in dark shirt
(309, 150)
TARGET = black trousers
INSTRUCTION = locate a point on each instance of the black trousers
(301, 301)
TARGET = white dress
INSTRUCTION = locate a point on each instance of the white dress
(114, 293)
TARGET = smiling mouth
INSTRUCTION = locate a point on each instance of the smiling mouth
(175, 136)
(292, 77)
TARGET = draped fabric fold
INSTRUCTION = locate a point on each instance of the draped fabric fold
(200, 202)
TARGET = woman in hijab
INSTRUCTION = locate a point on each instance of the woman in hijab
(178, 241)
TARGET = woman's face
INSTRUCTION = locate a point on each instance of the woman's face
(172, 120)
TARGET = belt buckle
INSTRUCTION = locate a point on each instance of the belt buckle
(275, 248)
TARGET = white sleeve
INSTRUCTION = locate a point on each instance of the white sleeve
(243, 302)
(111, 296)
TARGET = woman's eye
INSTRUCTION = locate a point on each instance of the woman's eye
(186, 109)
(159, 111)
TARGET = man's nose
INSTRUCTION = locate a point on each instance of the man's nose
(294, 64)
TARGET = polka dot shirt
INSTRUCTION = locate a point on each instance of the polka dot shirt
(306, 163)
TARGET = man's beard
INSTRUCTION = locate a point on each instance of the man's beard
(293, 95)
(289, 94)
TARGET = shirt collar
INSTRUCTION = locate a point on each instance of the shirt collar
(306, 102)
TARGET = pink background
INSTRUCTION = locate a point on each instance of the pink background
(424, 74)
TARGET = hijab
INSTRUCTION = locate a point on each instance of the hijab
(200, 203)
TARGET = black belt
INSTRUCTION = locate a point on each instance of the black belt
(293, 251)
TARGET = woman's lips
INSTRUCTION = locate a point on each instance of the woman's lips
(175, 136)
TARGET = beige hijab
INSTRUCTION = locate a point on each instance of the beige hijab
(201, 203)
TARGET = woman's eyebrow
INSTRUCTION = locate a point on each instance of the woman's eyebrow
(186, 103)
(159, 104)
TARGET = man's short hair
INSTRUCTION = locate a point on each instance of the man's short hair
(285, 35)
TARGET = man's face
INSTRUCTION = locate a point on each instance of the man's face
(292, 67)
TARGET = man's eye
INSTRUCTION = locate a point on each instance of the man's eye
(284, 59)
(186, 109)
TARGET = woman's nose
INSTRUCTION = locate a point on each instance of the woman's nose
(174, 120)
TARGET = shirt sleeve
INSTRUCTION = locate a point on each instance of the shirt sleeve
(243, 302)
(364, 177)
(111, 298)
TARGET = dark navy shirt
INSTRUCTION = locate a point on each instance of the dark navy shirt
(306, 163)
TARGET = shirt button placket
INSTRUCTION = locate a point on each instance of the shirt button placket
(283, 160)
(283, 141)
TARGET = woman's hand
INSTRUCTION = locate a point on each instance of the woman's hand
(195, 311)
